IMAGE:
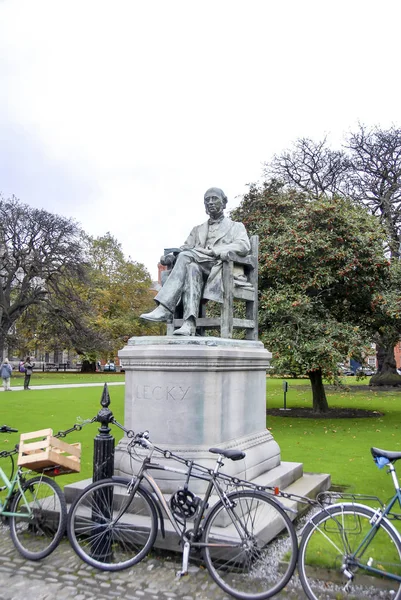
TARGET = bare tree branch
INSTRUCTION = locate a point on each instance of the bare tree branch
(36, 249)
(311, 167)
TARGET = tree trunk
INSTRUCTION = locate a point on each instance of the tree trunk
(5, 325)
(386, 365)
(385, 356)
(319, 394)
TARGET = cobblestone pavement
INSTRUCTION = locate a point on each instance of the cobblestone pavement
(63, 576)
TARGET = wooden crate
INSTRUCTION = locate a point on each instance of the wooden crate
(41, 451)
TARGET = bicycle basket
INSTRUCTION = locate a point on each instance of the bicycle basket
(40, 450)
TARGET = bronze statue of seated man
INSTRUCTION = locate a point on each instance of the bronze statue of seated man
(197, 272)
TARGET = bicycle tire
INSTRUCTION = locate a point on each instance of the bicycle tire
(104, 542)
(36, 537)
(330, 536)
(264, 548)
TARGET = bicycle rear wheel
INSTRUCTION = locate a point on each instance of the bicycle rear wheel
(110, 529)
(332, 547)
(37, 535)
(252, 546)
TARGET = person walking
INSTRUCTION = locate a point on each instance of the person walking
(28, 365)
(5, 372)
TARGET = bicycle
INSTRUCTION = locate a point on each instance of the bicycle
(34, 508)
(247, 540)
(348, 547)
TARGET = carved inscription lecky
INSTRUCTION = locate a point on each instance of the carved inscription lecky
(161, 392)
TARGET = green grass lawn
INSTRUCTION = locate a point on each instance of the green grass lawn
(52, 378)
(59, 409)
(340, 447)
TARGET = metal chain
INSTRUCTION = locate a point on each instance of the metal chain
(168, 454)
(76, 427)
(295, 497)
(129, 432)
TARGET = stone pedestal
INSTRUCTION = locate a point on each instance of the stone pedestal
(193, 393)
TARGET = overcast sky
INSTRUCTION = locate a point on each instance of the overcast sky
(121, 113)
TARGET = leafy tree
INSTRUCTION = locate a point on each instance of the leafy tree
(386, 324)
(97, 312)
(63, 289)
(61, 321)
(119, 290)
(367, 170)
(320, 262)
(38, 250)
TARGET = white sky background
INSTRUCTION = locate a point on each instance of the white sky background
(121, 113)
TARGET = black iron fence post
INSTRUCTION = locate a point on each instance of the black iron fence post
(103, 467)
(103, 453)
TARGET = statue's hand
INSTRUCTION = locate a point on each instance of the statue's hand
(224, 255)
(207, 251)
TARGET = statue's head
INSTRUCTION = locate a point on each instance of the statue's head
(216, 192)
(215, 202)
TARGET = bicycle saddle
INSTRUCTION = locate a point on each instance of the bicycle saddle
(232, 454)
(392, 456)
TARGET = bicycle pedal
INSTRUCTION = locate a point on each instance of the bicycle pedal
(348, 574)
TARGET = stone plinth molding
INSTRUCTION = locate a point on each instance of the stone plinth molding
(195, 393)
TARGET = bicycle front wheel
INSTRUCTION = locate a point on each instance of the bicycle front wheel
(342, 555)
(109, 528)
(40, 520)
(251, 546)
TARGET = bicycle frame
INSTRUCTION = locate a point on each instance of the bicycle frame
(200, 473)
(11, 485)
(379, 515)
(211, 478)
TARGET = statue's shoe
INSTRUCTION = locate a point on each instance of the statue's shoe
(187, 328)
(160, 313)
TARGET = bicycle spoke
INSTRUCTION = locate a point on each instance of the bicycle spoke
(109, 529)
(38, 535)
(342, 557)
(263, 553)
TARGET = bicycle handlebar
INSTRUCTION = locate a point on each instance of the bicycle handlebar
(7, 429)
(142, 439)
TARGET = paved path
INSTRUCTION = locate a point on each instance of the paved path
(18, 388)
(63, 576)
